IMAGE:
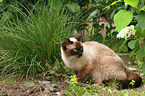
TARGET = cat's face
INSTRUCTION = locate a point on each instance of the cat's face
(72, 46)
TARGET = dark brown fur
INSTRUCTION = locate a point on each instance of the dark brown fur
(131, 76)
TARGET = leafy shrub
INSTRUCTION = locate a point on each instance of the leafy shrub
(133, 13)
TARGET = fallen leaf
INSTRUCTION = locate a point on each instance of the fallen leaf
(29, 84)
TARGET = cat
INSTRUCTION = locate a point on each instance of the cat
(97, 61)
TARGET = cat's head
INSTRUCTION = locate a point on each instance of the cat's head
(73, 46)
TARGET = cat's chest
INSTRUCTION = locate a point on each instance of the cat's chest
(75, 63)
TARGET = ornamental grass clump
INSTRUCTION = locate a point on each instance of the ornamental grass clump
(30, 40)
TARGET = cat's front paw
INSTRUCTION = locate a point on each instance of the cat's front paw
(80, 79)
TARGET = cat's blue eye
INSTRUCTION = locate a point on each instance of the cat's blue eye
(75, 50)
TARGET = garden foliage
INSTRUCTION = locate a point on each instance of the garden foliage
(135, 12)
(30, 37)
(31, 31)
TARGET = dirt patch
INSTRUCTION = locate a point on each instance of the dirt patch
(56, 86)
(53, 89)
(34, 88)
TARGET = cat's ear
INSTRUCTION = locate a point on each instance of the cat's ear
(79, 37)
(65, 43)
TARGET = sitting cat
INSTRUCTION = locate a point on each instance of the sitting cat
(97, 61)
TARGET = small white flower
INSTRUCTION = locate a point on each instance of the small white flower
(126, 4)
(126, 32)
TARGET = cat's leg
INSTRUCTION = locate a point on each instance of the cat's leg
(84, 72)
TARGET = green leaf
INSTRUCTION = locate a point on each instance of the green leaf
(73, 6)
(137, 44)
(131, 54)
(141, 53)
(141, 20)
(139, 32)
(121, 47)
(93, 14)
(133, 3)
(115, 2)
(142, 8)
(1, 0)
(122, 19)
(131, 44)
(143, 68)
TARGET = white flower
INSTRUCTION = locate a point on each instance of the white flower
(126, 4)
(126, 32)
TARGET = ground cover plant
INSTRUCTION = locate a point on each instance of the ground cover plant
(31, 33)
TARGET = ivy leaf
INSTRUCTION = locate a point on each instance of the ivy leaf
(122, 19)
(141, 53)
(133, 3)
(141, 20)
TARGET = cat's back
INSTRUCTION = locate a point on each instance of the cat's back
(96, 45)
(98, 49)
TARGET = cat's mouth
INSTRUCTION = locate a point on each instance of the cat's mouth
(80, 53)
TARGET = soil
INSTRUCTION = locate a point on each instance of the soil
(50, 86)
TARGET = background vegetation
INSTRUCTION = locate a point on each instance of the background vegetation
(31, 32)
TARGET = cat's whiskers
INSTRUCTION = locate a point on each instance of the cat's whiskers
(70, 58)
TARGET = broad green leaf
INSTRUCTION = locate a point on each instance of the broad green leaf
(139, 32)
(131, 44)
(122, 19)
(141, 53)
(141, 20)
(1, 0)
(133, 3)
(143, 68)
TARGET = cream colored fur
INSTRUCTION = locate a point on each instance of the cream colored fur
(105, 64)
